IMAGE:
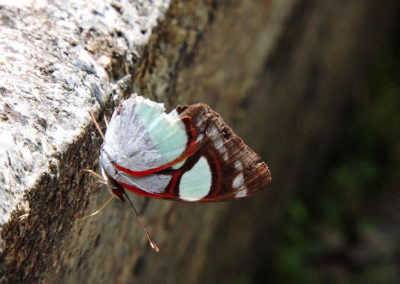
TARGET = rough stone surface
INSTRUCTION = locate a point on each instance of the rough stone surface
(278, 71)
(56, 60)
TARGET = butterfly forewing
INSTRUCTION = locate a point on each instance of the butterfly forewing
(141, 138)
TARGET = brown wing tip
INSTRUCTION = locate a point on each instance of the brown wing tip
(261, 177)
(266, 173)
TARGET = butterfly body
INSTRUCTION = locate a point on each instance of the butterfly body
(189, 154)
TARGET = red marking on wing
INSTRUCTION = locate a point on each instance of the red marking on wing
(174, 181)
(218, 181)
(191, 148)
(137, 190)
(218, 169)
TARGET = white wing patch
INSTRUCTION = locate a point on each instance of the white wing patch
(218, 141)
(242, 193)
(238, 183)
(196, 183)
(238, 165)
(151, 183)
(141, 136)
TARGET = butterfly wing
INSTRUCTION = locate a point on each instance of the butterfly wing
(142, 139)
(221, 166)
(236, 170)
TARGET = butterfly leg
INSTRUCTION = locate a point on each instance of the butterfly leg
(99, 177)
(97, 211)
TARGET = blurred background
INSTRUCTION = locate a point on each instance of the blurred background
(328, 102)
(341, 223)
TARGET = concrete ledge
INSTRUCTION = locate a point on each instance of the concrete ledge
(57, 61)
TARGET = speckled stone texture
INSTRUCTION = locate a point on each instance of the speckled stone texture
(57, 61)
(53, 66)
(268, 67)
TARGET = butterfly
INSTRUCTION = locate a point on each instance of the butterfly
(189, 154)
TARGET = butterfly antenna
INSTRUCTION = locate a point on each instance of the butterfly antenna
(96, 124)
(152, 243)
(100, 179)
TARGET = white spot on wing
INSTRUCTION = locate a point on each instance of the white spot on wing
(241, 193)
(200, 138)
(238, 181)
(218, 141)
(196, 183)
(238, 165)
